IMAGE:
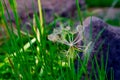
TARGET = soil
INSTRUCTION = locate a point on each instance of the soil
(26, 8)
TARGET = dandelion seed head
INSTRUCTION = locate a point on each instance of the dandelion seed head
(67, 28)
(59, 35)
(71, 44)
(53, 37)
(79, 28)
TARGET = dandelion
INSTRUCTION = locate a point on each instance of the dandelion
(53, 37)
(71, 38)
(66, 36)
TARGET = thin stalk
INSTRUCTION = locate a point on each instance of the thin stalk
(41, 16)
(79, 12)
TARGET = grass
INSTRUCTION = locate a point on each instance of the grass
(35, 57)
(103, 3)
(115, 22)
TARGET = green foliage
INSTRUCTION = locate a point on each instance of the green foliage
(102, 3)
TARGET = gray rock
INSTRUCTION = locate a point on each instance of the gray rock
(106, 13)
(109, 40)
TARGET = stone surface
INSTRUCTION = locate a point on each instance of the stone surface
(109, 40)
(51, 7)
(106, 13)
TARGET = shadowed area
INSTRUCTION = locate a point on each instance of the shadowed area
(109, 40)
